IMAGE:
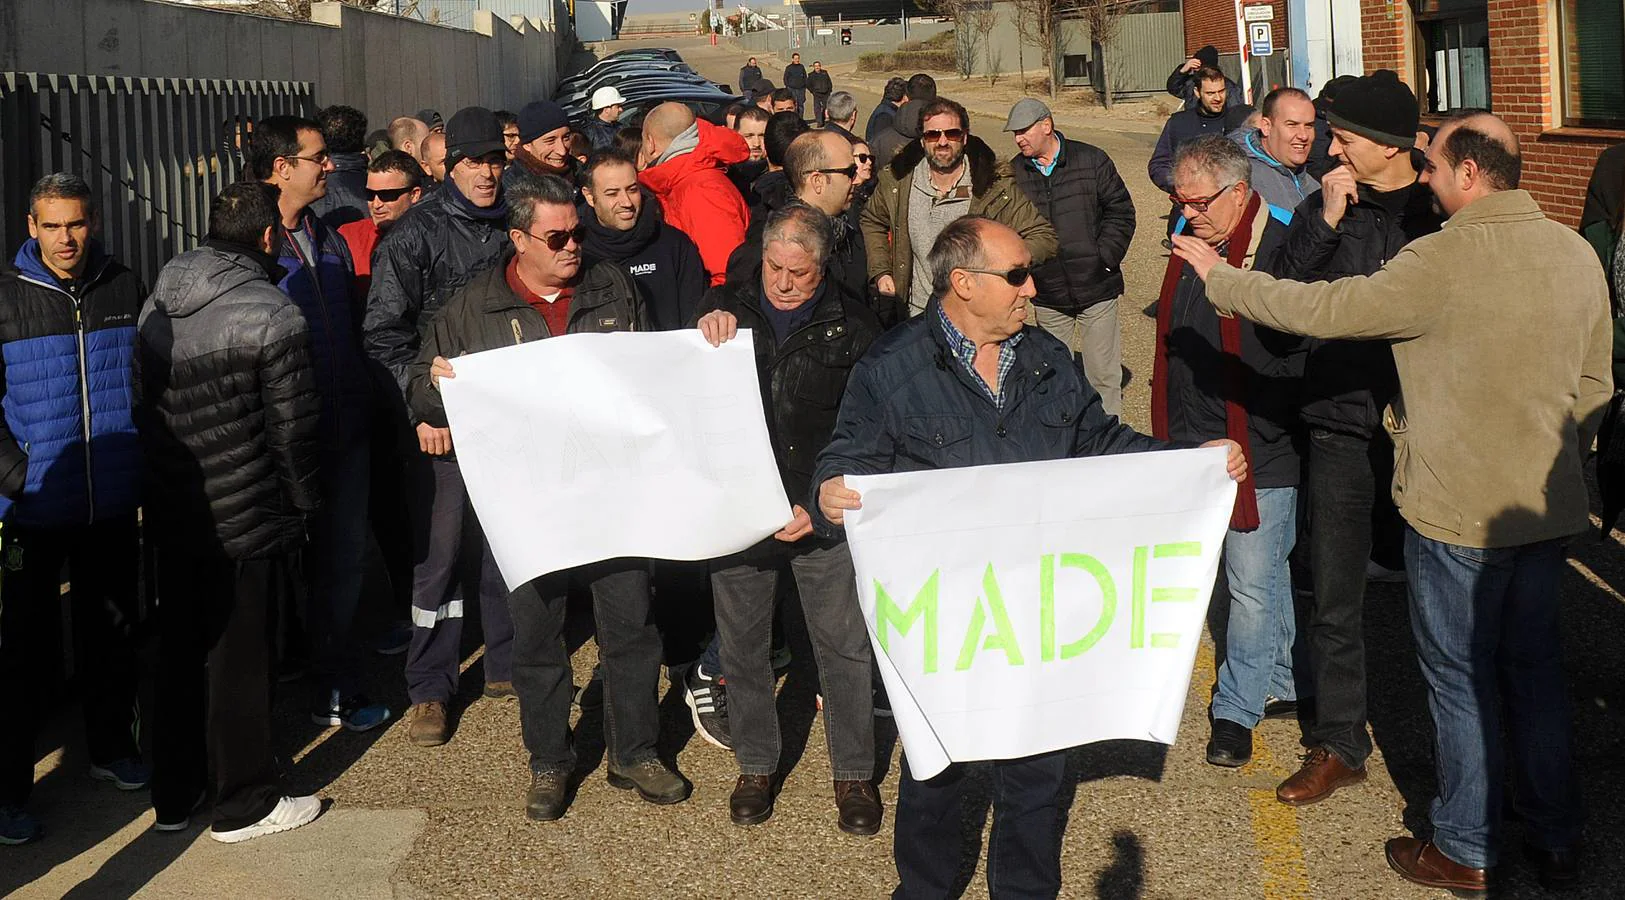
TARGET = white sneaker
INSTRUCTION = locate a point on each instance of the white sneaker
(290, 813)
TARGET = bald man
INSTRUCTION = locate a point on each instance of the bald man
(684, 162)
(406, 134)
(1500, 333)
(433, 159)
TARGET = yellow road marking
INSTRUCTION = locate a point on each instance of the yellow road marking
(1274, 824)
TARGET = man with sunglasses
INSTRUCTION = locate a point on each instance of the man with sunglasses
(988, 389)
(431, 253)
(540, 288)
(394, 185)
(290, 154)
(1223, 377)
(945, 175)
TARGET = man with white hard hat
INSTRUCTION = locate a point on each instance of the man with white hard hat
(600, 130)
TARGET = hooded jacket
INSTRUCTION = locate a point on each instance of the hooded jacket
(1084, 191)
(1184, 126)
(433, 250)
(228, 409)
(697, 197)
(486, 315)
(662, 261)
(1283, 189)
(324, 290)
(345, 200)
(994, 194)
(68, 448)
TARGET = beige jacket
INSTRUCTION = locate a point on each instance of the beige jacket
(1500, 329)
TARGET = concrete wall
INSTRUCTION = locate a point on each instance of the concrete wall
(384, 65)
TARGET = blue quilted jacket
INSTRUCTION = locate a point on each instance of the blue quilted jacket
(324, 290)
(68, 448)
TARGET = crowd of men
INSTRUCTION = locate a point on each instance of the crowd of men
(274, 400)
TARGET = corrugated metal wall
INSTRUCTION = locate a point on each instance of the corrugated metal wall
(1146, 48)
(155, 151)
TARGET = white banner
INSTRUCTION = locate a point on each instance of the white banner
(586, 447)
(1019, 609)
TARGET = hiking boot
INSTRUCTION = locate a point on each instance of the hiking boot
(499, 690)
(290, 813)
(549, 795)
(128, 774)
(653, 781)
(707, 700)
(427, 724)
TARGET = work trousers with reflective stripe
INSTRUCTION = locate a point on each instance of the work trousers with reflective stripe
(450, 547)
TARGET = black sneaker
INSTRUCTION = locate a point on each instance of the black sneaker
(1231, 745)
(707, 700)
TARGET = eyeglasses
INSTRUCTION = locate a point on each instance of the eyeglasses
(936, 134)
(319, 159)
(862, 158)
(1201, 204)
(850, 172)
(388, 195)
(1014, 277)
(557, 240)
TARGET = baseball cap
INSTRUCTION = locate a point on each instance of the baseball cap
(606, 96)
(472, 132)
(1025, 113)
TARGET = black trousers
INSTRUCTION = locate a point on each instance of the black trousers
(1350, 515)
(103, 561)
(218, 620)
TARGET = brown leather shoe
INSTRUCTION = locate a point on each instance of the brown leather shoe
(1419, 861)
(859, 805)
(427, 725)
(752, 800)
(1322, 773)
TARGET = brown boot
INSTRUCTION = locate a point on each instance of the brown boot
(1419, 861)
(427, 724)
(752, 800)
(859, 806)
(1322, 774)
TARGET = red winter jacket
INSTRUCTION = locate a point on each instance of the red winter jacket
(698, 198)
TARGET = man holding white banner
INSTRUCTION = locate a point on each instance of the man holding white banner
(538, 290)
(969, 384)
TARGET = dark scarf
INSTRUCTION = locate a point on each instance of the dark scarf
(498, 210)
(604, 242)
(1244, 516)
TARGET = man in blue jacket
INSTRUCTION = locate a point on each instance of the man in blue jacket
(1279, 151)
(70, 472)
(290, 153)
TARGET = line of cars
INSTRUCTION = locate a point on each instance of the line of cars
(645, 78)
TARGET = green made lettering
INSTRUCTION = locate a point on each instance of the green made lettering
(924, 606)
(991, 604)
(1046, 604)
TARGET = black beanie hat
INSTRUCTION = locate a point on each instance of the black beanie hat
(1209, 55)
(1377, 106)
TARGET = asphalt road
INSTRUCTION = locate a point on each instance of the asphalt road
(1143, 820)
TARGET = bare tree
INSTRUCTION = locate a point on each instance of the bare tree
(1103, 18)
(969, 38)
(1036, 22)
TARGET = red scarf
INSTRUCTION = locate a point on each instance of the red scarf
(1244, 517)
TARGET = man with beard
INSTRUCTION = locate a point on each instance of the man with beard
(751, 124)
(538, 289)
(626, 228)
(1279, 150)
(1210, 116)
(943, 176)
(772, 190)
(430, 254)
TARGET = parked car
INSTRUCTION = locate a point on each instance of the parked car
(624, 81)
(647, 53)
(706, 104)
(577, 81)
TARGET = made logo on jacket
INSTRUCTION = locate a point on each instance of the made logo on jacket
(639, 270)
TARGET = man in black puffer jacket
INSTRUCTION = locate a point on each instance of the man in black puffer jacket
(439, 246)
(344, 128)
(227, 411)
(540, 289)
(1076, 186)
(625, 227)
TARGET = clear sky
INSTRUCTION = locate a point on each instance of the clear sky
(637, 7)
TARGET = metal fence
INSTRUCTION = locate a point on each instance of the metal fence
(1145, 49)
(155, 151)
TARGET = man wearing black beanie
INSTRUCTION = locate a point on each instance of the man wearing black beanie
(1369, 207)
(1182, 82)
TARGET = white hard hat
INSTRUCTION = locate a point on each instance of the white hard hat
(606, 96)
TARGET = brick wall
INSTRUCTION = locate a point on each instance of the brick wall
(1523, 90)
(1214, 22)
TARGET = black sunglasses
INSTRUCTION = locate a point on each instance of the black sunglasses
(388, 195)
(556, 240)
(862, 157)
(952, 134)
(850, 171)
(1014, 277)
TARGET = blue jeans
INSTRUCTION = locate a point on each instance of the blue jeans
(1486, 626)
(1261, 641)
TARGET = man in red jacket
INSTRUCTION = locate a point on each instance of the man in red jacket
(394, 183)
(684, 162)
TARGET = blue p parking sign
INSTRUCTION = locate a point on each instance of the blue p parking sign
(1260, 39)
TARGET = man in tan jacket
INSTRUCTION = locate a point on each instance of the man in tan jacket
(1500, 331)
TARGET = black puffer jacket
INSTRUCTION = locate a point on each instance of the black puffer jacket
(226, 406)
(486, 314)
(1347, 383)
(345, 200)
(911, 406)
(1094, 218)
(804, 378)
(435, 249)
(819, 83)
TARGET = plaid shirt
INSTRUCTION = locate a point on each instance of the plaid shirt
(964, 350)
